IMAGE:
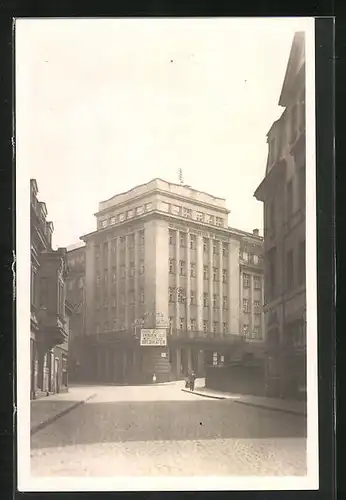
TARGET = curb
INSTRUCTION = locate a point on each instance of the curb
(203, 395)
(272, 408)
(52, 419)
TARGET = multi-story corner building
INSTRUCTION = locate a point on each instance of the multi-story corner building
(163, 257)
(283, 194)
(49, 311)
(75, 296)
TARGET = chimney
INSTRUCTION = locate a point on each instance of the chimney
(255, 232)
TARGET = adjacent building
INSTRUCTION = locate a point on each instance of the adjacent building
(163, 258)
(283, 193)
(75, 295)
(49, 311)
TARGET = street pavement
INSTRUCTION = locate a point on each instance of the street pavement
(161, 430)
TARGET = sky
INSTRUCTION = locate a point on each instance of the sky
(104, 105)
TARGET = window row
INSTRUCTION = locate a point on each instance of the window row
(122, 242)
(254, 334)
(192, 214)
(128, 214)
(257, 281)
(131, 272)
(256, 306)
(106, 303)
(182, 325)
(251, 258)
(189, 240)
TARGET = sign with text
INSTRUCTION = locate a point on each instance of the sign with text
(155, 337)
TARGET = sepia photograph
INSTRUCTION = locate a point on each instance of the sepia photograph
(166, 206)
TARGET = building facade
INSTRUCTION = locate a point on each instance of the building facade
(164, 257)
(49, 312)
(283, 193)
(75, 295)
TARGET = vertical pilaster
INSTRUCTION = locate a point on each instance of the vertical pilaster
(220, 288)
(210, 285)
(234, 287)
(177, 277)
(252, 306)
(199, 282)
(127, 279)
(137, 273)
(188, 280)
(119, 278)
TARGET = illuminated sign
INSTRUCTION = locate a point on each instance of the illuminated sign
(154, 337)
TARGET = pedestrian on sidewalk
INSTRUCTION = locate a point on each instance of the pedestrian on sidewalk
(192, 380)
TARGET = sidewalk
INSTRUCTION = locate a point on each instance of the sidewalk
(45, 410)
(284, 405)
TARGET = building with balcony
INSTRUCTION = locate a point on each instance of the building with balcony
(49, 311)
(163, 257)
(283, 193)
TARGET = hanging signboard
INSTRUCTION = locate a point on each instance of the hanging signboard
(153, 337)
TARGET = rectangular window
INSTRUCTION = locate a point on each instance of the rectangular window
(148, 207)
(256, 332)
(225, 327)
(141, 267)
(170, 295)
(141, 296)
(123, 272)
(219, 222)
(205, 300)
(182, 268)
(121, 217)
(193, 324)
(171, 237)
(289, 270)
(246, 308)
(114, 274)
(301, 263)
(225, 249)
(257, 307)
(199, 216)
(224, 275)
(141, 238)
(114, 324)
(130, 214)
(210, 219)
(192, 241)
(246, 280)
(192, 297)
(181, 295)
(193, 270)
(105, 302)
(225, 302)
(171, 266)
(140, 210)
(215, 249)
(104, 223)
(215, 301)
(205, 272)
(113, 220)
(289, 199)
(215, 326)
(205, 245)
(205, 326)
(182, 240)
(132, 269)
(175, 209)
(257, 282)
(181, 323)
(187, 212)
(246, 329)
(81, 282)
(215, 274)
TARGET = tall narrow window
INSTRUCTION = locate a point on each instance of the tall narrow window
(246, 305)
(182, 268)
(193, 270)
(246, 280)
(205, 272)
(205, 300)
(224, 275)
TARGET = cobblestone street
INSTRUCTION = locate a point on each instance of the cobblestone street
(160, 430)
